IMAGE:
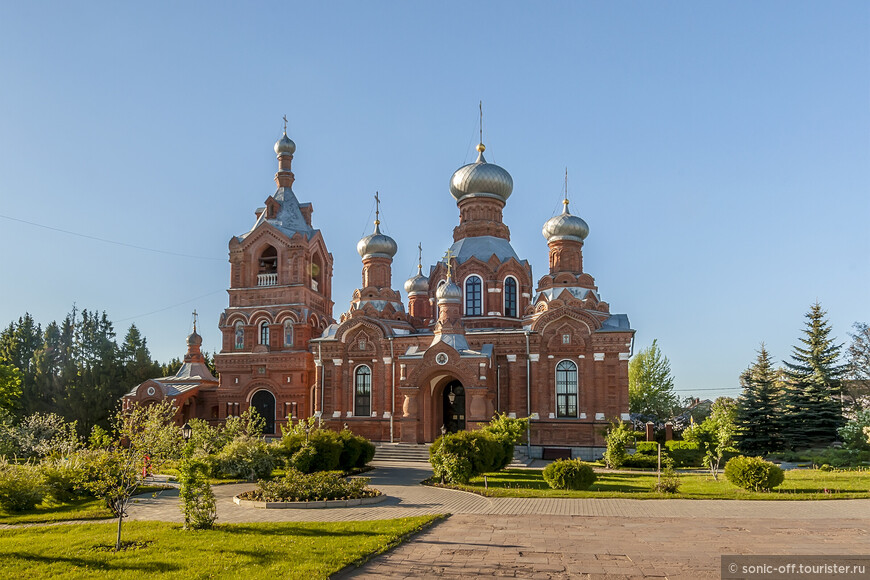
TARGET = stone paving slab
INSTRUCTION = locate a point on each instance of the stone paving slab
(400, 482)
(558, 547)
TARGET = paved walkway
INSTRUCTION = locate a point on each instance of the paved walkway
(405, 497)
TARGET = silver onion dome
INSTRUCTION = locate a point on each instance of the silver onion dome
(565, 227)
(448, 292)
(417, 284)
(194, 339)
(377, 245)
(481, 179)
(285, 145)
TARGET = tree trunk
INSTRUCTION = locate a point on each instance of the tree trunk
(118, 540)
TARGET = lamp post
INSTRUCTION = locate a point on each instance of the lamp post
(186, 431)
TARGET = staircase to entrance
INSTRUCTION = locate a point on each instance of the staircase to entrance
(406, 452)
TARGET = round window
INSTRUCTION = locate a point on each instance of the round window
(441, 358)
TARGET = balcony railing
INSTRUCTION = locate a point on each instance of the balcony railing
(267, 279)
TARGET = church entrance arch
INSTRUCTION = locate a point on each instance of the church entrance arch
(264, 403)
(453, 402)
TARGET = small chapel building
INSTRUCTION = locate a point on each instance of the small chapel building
(476, 337)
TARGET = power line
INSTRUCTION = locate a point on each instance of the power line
(107, 241)
(169, 307)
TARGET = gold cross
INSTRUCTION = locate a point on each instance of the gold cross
(420, 255)
(377, 209)
(194, 320)
(449, 256)
(285, 123)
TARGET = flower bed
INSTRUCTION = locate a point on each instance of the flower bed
(299, 490)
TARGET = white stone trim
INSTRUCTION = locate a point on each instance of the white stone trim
(349, 414)
(599, 416)
(624, 356)
(625, 416)
(598, 356)
(581, 356)
(512, 358)
(386, 414)
(336, 414)
(534, 357)
(337, 362)
(388, 360)
(582, 415)
(493, 289)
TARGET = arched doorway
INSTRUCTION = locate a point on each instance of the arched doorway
(264, 403)
(454, 407)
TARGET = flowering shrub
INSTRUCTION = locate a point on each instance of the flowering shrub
(323, 485)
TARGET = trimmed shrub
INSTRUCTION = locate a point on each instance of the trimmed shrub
(669, 482)
(245, 457)
(351, 448)
(457, 457)
(647, 448)
(685, 453)
(21, 486)
(327, 451)
(366, 454)
(508, 432)
(569, 474)
(301, 460)
(642, 461)
(753, 473)
(328, 447)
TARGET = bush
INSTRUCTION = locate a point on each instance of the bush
(508, 432)
(63, 478)
(753, 473)
(327, 451)
(197, 498)
(685, 453)
(647, 448)
(569, 474)
(457, 457)
(245, 457)
(641, 461)
(852, 433)
(669, 481)
(298, 486)
(21, 486)
(618, 436)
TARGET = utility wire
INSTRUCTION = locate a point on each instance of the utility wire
(169, 307)
(108, 241)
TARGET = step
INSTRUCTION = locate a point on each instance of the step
(401, 452)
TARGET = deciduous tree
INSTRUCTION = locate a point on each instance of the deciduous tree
(650, 386)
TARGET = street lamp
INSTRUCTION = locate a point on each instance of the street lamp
(186, 431)
(451, 396)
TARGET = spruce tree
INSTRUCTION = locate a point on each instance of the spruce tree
(758, 415)
(812, 409)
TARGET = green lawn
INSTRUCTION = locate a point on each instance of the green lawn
(273, 550)
(82, 509)
(799, 484)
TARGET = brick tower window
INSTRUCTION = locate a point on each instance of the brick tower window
(473, 302)
(264, 333)
(510, 297)
(363, 391)
(288, 333)
(566, 389)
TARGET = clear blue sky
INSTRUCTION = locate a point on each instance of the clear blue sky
(719, 152)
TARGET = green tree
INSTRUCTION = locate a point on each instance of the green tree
(10, 388)
(138, 366)
(651, 387)
(812, 410)
(18, 343)
(758, 421)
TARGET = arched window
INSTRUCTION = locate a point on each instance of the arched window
(240, 335)
(288, 333)
(269, 260)
(473, 302)
(362, 402)
(264, 333)
(510, 297)
(566, 389)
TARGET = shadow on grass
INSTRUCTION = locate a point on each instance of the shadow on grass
(113, 563)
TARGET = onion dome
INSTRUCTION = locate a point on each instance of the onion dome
(285, 145)
(481, 179)
(565, 227)
(377, 245)
(417, 284)
(449, 292)
(194, 339)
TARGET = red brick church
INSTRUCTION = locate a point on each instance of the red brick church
(474, 338)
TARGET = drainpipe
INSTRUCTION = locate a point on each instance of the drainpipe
(528, 398)
(392, 388)
(498, 388)
(322, 383)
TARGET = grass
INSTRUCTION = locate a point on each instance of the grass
(262, 550)
(798, 485)
(81, 509)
